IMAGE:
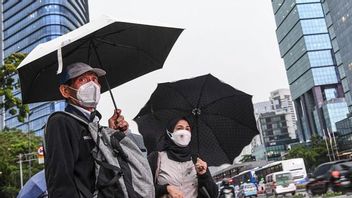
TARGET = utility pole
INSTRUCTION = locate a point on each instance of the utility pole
(27, 157)
(29, 144)
(21, 172)
(335, 146)
(326, 144)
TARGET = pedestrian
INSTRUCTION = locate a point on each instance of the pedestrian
(177, 173)
(227, 189)
(68, 143)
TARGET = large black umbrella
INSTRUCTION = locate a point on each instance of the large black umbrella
(222, 117)
(125, 50)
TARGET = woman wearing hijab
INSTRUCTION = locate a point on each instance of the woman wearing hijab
(178, 174)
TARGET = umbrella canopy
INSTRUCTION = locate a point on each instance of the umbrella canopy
(34, 187)
(221, 116)
(124, 50)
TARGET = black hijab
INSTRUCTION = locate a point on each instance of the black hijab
(174, 152)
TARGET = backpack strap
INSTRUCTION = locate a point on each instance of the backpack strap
(84, 190)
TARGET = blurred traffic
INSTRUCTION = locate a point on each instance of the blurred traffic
(286, 178)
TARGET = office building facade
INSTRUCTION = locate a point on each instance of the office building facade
(275, 131)
(338, 18)
(276, 122)
(310, 63)
(25, 25)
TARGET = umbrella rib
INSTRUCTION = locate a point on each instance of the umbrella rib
(49, 65)
(235, 120)
(215, 101)
(177, 109)
(213, 134)
(128, 47)
(114, 32)
(201, 90)
(183, 96)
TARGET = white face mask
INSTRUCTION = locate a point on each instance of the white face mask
(88, 95)
(180, 137)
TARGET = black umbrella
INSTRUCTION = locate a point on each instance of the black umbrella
(124, 50)
(222, 117)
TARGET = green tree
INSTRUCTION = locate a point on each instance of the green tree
(13, 143)
(8, 83)
(313, 154)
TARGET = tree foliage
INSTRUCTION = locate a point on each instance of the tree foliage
(12, 143)
(313, 154)
(8, 84)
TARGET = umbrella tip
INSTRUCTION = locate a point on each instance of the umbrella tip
(196, 111)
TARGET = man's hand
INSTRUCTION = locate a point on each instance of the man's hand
(201, 166)
(117, 121)
(174, 192)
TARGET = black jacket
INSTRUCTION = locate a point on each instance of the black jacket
(205, 181)
(67, 155)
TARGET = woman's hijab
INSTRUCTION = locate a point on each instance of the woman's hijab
(174, 152)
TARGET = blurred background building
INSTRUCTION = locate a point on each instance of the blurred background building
(28, 23)
(276, 122)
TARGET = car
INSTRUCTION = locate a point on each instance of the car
(280, 183)
(247, 190)
(331, 176)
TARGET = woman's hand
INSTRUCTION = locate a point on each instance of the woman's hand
(201, 166)
(117, 121)
(174, 192)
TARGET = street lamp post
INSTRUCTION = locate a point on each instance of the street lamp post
(21, 172)
(29, 144)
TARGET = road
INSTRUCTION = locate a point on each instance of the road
(305, 194)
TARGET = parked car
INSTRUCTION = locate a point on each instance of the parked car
(247, 190)
(335, 176)
(280, 183)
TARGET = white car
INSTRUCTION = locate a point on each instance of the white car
(280, 183)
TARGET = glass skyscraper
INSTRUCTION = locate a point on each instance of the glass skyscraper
(338, 17)
(30, 22)
(310, 63)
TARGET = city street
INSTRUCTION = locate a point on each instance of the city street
(305, 194)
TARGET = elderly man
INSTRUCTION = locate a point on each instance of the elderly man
(68, 160)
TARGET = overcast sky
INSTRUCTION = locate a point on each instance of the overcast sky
(232, 39)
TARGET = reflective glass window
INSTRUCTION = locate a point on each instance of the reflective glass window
(313, 10)
(314, 26)
(330, 93)
(316, 42)
(324, 75)
(320, 58)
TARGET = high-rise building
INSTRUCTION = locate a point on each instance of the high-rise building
(311, 68)
(26, 24)
(276, 122)
(281, 102)
(338, 18)
(275, 131)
